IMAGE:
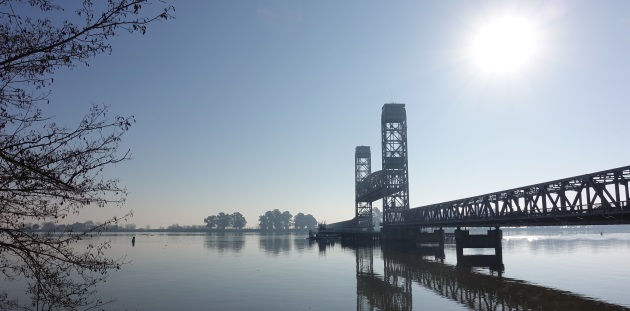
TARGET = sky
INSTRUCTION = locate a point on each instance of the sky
(249, 106)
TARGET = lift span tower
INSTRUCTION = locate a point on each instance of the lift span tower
(392, 182)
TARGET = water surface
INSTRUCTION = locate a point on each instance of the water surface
(576, 268)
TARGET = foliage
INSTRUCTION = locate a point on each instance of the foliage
(377, 217)
(223, 221)
(284, 220)
(265, 222)
(48, 171)
(211, 221)
(238, 220)
(302, 221)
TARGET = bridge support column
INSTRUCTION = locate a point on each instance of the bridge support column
(428, 238)
(395, 171)
(362, 169)
(463, 239)
(431, 243)
(398, 234)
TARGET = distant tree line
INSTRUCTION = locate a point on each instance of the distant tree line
(50, 226)
(89, 225)
(271, 220)
(223, 221)
(377, 217)
(276, 220)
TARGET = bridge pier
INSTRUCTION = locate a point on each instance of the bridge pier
(406, 234)
(429, 243)
(463, 239)
(428, 238)
(412, 234)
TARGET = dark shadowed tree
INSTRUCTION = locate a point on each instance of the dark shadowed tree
(278, 222)
(298, 221)
(310, 222)
(211, 221)
(224, 220)
(301, 221)
(238, 220)
(48, 226)
(49, 171)
(265, 222)
(287, 220)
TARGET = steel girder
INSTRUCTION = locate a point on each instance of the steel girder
(395, 177)
(362, 169)
(597, 198)
(371, 188)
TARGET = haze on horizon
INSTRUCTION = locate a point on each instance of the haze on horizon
(254, 106)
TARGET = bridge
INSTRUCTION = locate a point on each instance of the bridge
(599, 198)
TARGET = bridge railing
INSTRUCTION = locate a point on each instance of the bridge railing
(588, 199)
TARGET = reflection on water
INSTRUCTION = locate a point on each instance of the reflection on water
(405, 266)
(564, 244)
(301, 244)
(225, 242)
(322, 245)
(275, 245)
(278, 244)
(250, 271)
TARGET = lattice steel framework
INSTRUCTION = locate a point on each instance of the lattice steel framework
(371, 188)
(395, 177)
(597, 198)
(362, 169)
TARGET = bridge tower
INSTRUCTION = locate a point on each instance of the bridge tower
(362, 169)
(395, 172)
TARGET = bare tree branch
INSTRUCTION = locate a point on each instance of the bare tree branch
(50, 172)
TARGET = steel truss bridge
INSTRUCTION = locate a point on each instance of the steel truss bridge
(596, 198)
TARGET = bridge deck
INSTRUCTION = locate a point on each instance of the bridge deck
(597, 198)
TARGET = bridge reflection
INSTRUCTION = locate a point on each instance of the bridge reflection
(404, 267)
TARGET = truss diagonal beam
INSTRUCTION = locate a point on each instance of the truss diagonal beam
(597, 198)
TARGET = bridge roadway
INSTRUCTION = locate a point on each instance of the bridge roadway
(593, 199)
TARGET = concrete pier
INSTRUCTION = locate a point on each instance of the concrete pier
(431, 243)
(435, 238)
(407, 234)
(463, 239)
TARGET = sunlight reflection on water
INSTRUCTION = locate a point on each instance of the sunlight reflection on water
(288, 272)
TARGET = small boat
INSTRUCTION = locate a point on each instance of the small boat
(323, 234)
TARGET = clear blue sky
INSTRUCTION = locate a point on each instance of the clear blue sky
(255, 105)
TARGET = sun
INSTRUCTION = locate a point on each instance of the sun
(504, 45)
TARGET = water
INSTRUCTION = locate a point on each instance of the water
(579, 269)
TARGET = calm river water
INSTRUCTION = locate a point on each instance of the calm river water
(545, 269)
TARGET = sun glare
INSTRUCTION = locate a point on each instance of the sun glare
(504, 45)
